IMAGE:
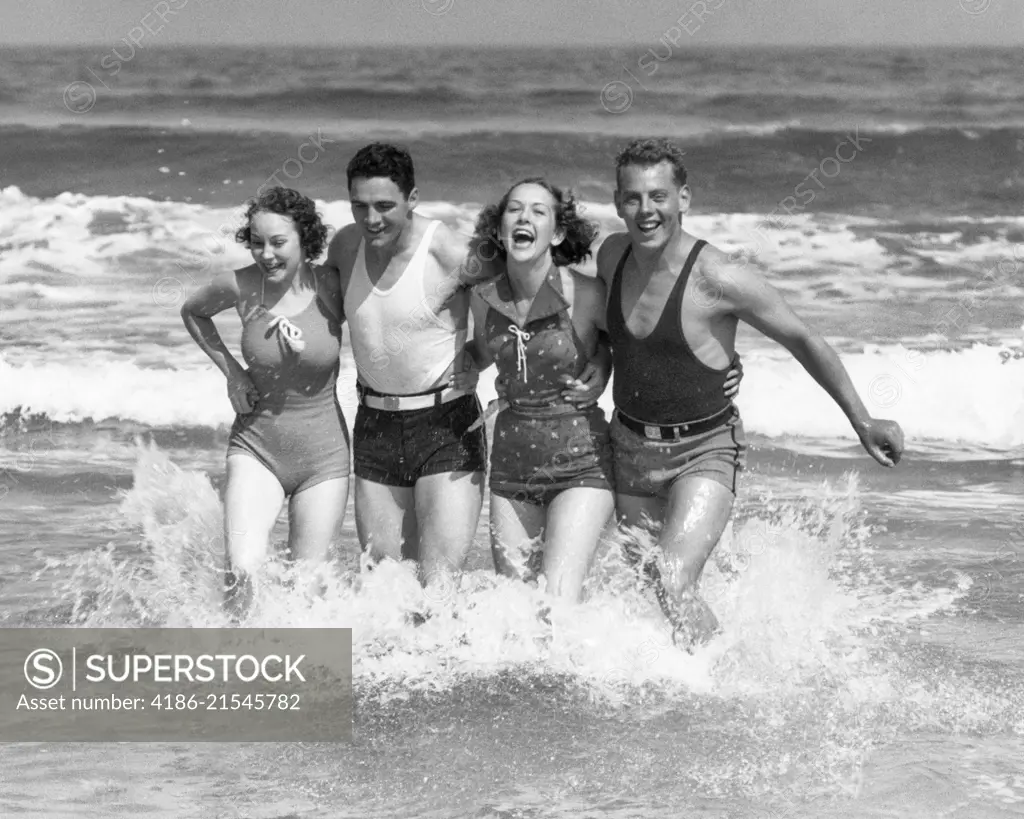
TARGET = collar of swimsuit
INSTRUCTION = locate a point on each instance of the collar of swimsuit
(549, 301)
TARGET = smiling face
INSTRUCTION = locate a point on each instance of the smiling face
(275, 245)
(650, 201)
(529, 223)
(380, 209)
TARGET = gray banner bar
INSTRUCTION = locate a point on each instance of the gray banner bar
(156, 685)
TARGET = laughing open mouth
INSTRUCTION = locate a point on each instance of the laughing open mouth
(522, 237)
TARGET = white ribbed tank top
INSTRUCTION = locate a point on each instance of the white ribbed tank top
(399, 344)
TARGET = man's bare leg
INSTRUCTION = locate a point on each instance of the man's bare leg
(638, 512)
(693, 520)
(447, 514)
(633, 510)
(385, 519)
(698, 511)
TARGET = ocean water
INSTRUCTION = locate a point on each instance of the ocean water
(871, 661)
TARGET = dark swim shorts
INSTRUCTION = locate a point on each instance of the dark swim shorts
(648, 468)
(398, 447)
(537, 456)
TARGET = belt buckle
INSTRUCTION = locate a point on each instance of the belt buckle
(391, 402)
(677, 431)
(652, 431)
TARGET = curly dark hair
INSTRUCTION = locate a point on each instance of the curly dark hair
(288, 202)
(648, 152)
(382, 159)
(579, 232)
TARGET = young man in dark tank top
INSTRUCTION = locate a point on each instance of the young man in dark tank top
(674, 303)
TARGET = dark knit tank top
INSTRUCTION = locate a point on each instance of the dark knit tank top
(658, 379)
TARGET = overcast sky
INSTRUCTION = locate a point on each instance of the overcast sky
(513, 22)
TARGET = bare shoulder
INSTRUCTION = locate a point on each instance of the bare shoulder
(343, 244)
(328, 278)
(238, 279)
(448, 248)
(341, 253)
(222, 292)
(728, 284)
(244, 282)
(609, 254)
(588, 288)
(723, 270)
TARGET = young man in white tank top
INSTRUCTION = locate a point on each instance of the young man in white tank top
(418, 470)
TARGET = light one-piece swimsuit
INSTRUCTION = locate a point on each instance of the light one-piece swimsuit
(297, 429)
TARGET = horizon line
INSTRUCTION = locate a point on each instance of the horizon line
(537, 45)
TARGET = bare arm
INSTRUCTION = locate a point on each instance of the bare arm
(588, 318)
(478, 347)
(588, 309)
(451, 251)
(197, 312)
(329, 289)
(748, 295)
(608, 256)
(466, 262)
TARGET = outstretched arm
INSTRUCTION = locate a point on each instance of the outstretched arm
(748, 295)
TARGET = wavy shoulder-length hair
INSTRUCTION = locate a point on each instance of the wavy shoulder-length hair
(579, 232)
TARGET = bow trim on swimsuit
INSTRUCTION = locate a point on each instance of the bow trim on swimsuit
(286, 331)
(291, 334)
(521, 337)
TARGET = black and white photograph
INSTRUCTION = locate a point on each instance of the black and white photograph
(539, 409)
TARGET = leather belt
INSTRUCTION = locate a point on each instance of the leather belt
(396, 403)
(673, 432)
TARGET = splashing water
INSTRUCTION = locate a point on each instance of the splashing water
(816, 664)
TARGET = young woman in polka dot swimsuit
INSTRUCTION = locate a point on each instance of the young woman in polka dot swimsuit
(538, 322)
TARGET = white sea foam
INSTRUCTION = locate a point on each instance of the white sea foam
(90, 288)
(972, 397)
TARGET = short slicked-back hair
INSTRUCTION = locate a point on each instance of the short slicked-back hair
(382, 159)
(648, 152)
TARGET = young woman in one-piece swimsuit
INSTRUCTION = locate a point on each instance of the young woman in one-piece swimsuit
(551, 469)
(289, 439)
